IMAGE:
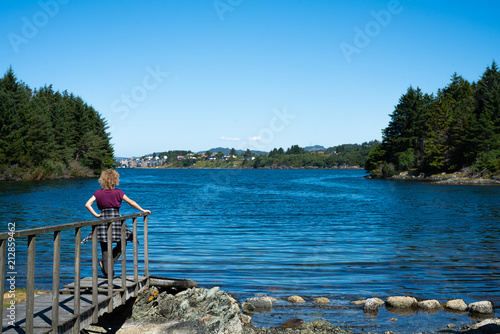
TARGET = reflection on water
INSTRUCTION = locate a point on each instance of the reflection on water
(282, 232)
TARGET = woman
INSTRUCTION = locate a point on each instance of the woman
(109, 200)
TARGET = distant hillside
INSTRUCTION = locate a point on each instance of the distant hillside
(314, 148)
(227, 150)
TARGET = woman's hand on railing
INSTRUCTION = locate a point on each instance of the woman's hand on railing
(147, 211)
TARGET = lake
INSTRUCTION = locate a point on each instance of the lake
(313, 233)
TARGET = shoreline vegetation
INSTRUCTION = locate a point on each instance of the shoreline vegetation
(49, 135)
(450, 137)
(456, 131)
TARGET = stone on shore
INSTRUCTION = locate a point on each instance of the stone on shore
(261, 303)
(248, 308)
(483, 307)
(457, 305)
(296, 299)
(401, 302)
(485, 326)
(429, 305)
(195, 310)
(246, 319)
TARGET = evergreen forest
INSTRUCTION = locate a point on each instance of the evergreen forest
(455, 130)
(342, 156)
(48, 134)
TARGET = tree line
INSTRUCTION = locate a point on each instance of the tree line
(457, 129)
(342, 156)
(47, 134)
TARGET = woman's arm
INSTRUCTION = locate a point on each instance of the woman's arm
(89, 207)
(134, 204)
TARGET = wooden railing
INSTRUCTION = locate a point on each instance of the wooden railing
(32, 234)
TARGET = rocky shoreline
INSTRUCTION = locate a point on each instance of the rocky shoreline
(199, 310)
(443, 178)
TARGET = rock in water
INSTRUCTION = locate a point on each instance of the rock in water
(484, 307)
(429, 305)
(456, 305)
(371, 305)
(261, 303)
(401, 302)
(194, 310)
(322, 300)
(296, 299)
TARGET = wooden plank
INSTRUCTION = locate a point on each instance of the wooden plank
(163, 282)
(110, 268)
(55, 280)
(30, 284)
(136, 256)
(124, 258)
(146, 250)
(95, 292)
(43, 310)
(76, 307)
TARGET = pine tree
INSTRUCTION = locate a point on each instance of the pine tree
(407, 128)
(447, 125)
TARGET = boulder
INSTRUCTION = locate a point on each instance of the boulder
(486, 326)
(261, 303)
(483, 307)
(371, 305)
(248, 308)
(457, 305)
(429, 305)
(296, 299)
(401, 302)
(195, 310)
(322, 300)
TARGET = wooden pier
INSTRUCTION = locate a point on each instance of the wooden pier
(82, 302)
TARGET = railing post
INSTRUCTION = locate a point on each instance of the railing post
(3, 258)
(55, 280)
(95, 302)
(136, 257)
(146, 251)
(76, 311)
(110, 265)
(124, 262)
(30, 284)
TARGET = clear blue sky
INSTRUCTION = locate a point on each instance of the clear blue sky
(252, 74)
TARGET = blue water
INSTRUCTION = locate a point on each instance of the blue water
(312, 233)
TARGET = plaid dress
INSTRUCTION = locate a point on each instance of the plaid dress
(102, 230)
